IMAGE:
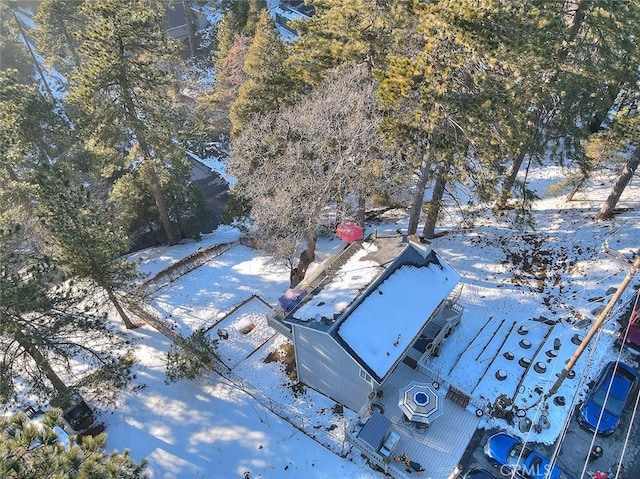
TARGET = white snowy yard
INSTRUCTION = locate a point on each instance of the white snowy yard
(211, 429)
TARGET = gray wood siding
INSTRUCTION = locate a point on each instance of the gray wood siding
(323, 365)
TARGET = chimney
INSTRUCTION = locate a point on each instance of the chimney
(420, 244)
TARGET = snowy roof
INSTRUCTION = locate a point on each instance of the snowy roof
(282, 15)
(389, 319)
(375, 297)
(340, 280)
(352, 277)
(174, 15)
(289, 13)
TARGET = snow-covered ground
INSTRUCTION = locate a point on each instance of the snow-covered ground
(211, 428)
(528, 292)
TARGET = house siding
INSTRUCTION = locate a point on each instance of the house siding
(175, 22)
(324, 365)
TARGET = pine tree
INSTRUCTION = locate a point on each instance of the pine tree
(134, 206)
(31, 134)
(225, 34)
(25, 38)
(59, 26)
(616, 147)
(23, 113)
(594, 54)
(240, 9)
(609, 81)
(123, 83)
(13, 52)
(231, 50)
(256, 7)
(268, 85)
(38, 128)
(348, 31)
(447, 104)
(43, 327)
(32, 449)
(82, 236)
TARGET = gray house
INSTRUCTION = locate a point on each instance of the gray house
(178, 19)
(285, 12)
(375, 304)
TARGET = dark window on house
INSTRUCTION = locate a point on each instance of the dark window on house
(364, 375)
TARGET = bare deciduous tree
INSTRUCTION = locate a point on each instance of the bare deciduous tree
(292, 164)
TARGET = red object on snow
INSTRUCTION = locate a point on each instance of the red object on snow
(349, 232)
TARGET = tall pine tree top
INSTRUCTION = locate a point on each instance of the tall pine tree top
(269, 84)
(32, 449)
(123, 48)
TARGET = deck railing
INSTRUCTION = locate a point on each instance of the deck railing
(388, 465)
(480, 405)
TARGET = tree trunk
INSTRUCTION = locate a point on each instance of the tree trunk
(576, 21)
(12, 173)
(154, 178)
(537, 120)
(418, 196)
(361, 211)
(600, 115)
(577, 187)
(510, 180)
(123, 314)
(34, 59)
(433, 208)
(191, 30)
(42, 362)
(307, 257)
(156, 188)
(621, 183)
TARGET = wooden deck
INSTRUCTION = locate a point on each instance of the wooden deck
(438, 448)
